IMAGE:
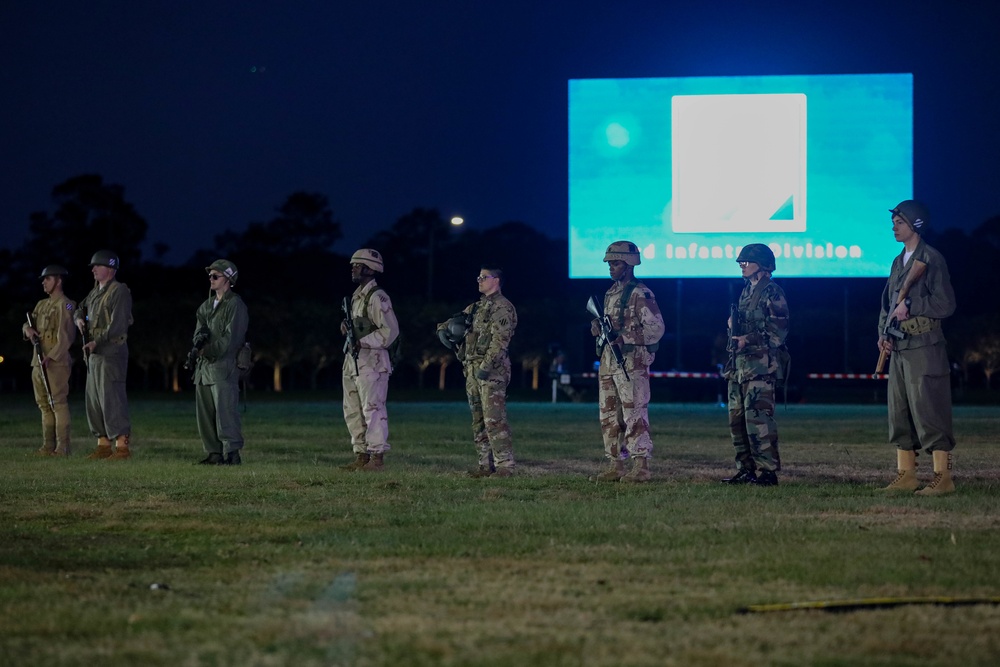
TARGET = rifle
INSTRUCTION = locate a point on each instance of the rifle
(892, 328)
(200, 341)
(608, 334)
(351, 343)
(734, 318)
(83, 335)
(41, 365)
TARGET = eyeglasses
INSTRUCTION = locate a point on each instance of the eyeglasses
(480, 279)
(744, 265)
(215, 276)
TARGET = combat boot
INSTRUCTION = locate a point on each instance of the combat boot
(358, 463)
(744, 476)
(233, 458)
(639, 472)
(375, 463)
(103, 450)
(942, 484)
(121, 449)
(503, 472)
(765, 478)
(480, 472)
(906, 478)
(213, 459)
(612, 474)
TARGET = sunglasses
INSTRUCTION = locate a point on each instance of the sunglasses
(480, 279)
(215, 276)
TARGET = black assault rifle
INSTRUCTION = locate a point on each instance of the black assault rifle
(734, 326)
(608, 334)
(36, 341)
(351, 343)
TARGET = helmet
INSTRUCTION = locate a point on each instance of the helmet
(54, 270)
(626, 251)
(368, 257)
(105, 258)
(454, 330)
(226, 268)
(759, 254)
(914, 213)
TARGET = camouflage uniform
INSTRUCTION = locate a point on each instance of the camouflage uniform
(109, 315)
(53, 319)
(763, 314)
(919, 393)
(624, 404)
(366, 389)
(486, 365)
(216, 377)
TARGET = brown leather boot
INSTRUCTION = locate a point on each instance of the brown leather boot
(103, 450)
(906, 477)
(358, 463)
(639, 472)
(612, 474)
(942, 483)
(121, 449)
(375, 463)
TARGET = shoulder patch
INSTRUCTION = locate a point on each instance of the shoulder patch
(69, 306)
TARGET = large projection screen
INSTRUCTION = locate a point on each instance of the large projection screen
(693, 169)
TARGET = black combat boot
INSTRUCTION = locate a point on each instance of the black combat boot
(744, 476)
(766, 478)
(233, 458)
(213, 459)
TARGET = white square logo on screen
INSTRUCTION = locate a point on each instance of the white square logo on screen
(739, 163)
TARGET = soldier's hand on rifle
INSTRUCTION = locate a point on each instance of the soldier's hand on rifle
(595, 327)
(30, 333)
(902, 312)
(89, 347)
(343, 328)
(885, 345)
(741, 342)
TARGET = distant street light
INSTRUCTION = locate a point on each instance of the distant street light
(456, 221)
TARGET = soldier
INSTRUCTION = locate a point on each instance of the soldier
(486, 364)
(624, 401)
(919, 393)
(104, 317)
(219, 335)
(53, 320)
(367, 364)
(759, 361)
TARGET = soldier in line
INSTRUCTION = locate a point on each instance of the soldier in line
(486, 364)
(367, 364)
(758, 339)
(624, 401)
(919, 393)
(103, 318)
(220, 333)
(53, 320)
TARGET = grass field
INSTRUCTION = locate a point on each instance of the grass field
(287, 560)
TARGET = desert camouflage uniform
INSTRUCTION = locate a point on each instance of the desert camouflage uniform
(919, 393)
(366, 389)
(624, 404)
(109, 315)
(485, 349)
(764, 320)
(53, 318)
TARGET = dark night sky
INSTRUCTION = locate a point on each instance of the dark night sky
(384, 106)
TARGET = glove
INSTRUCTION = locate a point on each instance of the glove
(483, 374)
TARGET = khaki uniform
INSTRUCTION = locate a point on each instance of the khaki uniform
(366, 389)
(919, 393)
(53, 318)
(486, 364)
(216, 377)
(623, 403)
(763, 315)
(109, 315)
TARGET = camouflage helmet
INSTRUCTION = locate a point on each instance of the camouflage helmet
(54, 270)
(454, 330)
(106, 258)
(226, 268)
(759, 254)
(368, 257)
(624, 251)
(914, 213)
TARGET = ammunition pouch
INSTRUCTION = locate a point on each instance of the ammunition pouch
(363, 326)
(919, 325)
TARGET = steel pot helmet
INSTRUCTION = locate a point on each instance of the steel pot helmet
(454, 330)
(368, 257)
(624, 251)
(914, 214)
(105, 258)
(759, 254)
(54, 270)
(226, 268)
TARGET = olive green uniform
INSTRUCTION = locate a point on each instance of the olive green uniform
(109, 315)
(53, 319)
(216, 377)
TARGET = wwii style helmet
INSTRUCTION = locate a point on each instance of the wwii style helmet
(625, 251)
(759, 254)
(105, 258)
(368, 257)
(454, 330)
(226, 268)
(914, 213)
(54, 270)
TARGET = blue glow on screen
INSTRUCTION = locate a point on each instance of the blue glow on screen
(692, 169)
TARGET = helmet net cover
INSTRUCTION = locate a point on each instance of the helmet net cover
(623, 251)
